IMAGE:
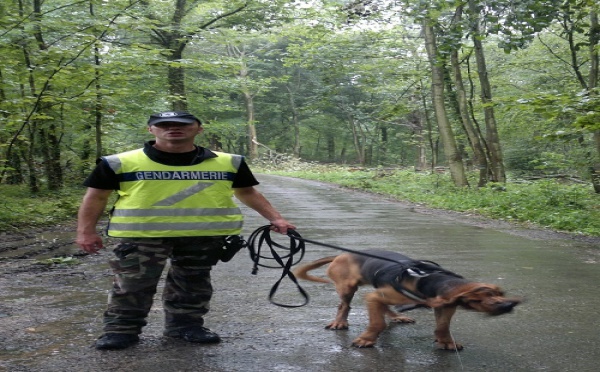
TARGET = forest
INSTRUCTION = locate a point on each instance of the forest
(500, 88)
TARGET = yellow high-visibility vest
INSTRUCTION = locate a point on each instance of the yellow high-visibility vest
(157, 200)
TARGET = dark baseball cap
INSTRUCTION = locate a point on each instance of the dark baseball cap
(173, 117)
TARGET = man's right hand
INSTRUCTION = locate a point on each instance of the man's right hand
(91, 243)
(92, 207)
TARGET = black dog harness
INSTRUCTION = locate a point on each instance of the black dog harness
(395, 269)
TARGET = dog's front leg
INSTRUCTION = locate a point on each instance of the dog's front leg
(377, 310)
(443, 338)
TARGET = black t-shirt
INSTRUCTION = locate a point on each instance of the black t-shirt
(103, 177)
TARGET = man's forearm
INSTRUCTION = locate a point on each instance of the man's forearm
(255, 200)
(91, 209)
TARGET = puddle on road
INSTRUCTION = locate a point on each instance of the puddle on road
(45, 245)
(46, 317)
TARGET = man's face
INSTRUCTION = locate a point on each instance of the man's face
(172, 131)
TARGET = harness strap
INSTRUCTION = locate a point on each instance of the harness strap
(410, 294)
(400, 271)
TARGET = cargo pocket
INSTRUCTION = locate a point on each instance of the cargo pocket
(126, 260)
(202, 251)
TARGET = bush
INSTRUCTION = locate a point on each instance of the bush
(21, 209)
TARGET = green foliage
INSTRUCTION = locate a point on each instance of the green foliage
(331, 82)
(19, 209)
(546, 203)
(58, 261)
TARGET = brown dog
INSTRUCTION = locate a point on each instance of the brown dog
(400, 280)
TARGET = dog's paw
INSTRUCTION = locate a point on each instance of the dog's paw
(361, 342)
(401, 319)
(335, 326)
(448, 345)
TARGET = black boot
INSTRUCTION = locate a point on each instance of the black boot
(195, 334)
(116, 341)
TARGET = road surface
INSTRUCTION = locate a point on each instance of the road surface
(51, 315)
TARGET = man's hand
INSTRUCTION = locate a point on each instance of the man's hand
(91, 243)
(281, 226)
(92, 207)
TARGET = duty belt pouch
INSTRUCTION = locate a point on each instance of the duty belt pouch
(233, 244)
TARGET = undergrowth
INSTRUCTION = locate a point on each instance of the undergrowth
(21, 209)
(547, 203)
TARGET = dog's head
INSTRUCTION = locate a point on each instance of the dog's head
(480, 297)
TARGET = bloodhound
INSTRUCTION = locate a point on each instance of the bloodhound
(404, 283)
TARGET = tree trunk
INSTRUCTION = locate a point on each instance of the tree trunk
(356, 140)
(424, 118)
(330, 147)
(31, 125)
(32, 179)
(415, 122)
(252, 140)
(593, 84)
(453, 156)
(249, 102)
(496, 163)
(49, 145)
(295, 124)
(15, 170)
(383, 147)
(176, 80)
(98, 108)
(480, 159)
(571, 30)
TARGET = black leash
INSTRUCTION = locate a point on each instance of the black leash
(262, 235)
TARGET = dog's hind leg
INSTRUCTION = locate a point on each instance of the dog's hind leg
(344, 272)
(346, 293)
(443, 338)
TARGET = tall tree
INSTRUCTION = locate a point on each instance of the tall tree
(574, 20)
(173, 32)
(451, 151)
(496, 164)
(578, 21)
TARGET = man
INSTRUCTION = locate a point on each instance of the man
(174, 203)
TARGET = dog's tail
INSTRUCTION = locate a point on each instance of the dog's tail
(302, 271)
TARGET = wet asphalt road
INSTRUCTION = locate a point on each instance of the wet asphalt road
(556, 329)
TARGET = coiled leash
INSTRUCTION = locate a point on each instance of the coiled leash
(297, 245)
(295, 253)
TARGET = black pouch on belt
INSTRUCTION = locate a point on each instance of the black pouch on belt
(233, 244)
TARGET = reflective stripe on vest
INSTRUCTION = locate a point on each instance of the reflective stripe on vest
(157, 200)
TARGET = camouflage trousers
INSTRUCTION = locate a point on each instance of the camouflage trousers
(138, 265)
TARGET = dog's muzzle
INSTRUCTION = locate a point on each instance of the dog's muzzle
(504, 307)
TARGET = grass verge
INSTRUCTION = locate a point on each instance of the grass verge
(548, 203)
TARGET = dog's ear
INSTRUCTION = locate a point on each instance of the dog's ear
(464, 293)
